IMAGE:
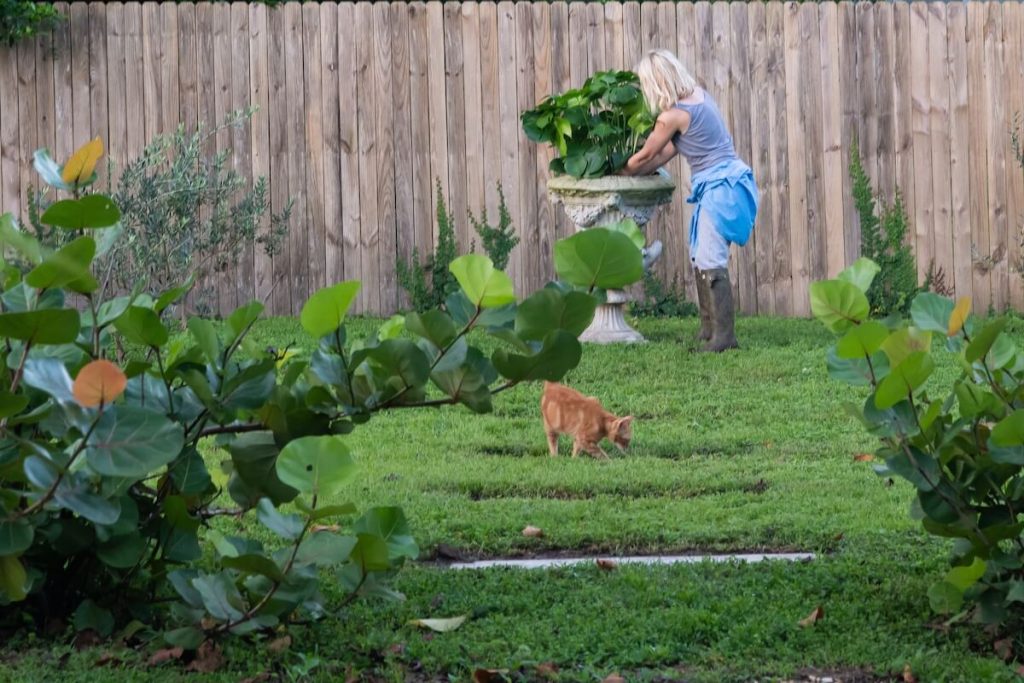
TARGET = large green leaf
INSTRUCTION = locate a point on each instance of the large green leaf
(931, 312)
(14, 582)
(548, 309)
(861, 273)
(468, 383)
(142, 326)
(856, 371)
(133, 443)
(435, 326)
(287, 527)
(599, 257)
(401, 358)
(220, 596)
(966, 576)
(1006, 443)
(254, 457)
(76, 493)
(983, 341)
(123, 552)
(89, 615)
(904, 379)
(560, 353)
(318, 465)
(390, 524)
(904, 342)
(15, 536)
(67, 267)
(630, 229)
(324, 312)
(484, 285)
(91, 211)
(945, 598)
(838, 304)
(325, 549)
(254, 563)
(862, 340)
(48, 326)
(23, 243)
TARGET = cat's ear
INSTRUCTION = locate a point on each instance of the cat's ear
(626, 421)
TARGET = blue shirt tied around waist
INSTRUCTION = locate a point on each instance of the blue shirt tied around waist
(728, 193)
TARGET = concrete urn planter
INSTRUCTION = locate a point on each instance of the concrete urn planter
(593, 202)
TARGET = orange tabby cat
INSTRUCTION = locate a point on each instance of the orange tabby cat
(566, 411)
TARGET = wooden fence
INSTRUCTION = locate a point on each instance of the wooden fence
(364, 106)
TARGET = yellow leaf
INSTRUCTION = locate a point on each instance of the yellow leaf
(13, 579)
(960, 313)
(82, 163)
(99, 383)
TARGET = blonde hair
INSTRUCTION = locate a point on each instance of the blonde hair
(664, 80)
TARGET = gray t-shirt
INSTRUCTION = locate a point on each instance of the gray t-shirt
(706, 142)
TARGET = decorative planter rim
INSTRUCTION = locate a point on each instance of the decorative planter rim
(655, 188)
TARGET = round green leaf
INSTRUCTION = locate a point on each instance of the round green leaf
(945, 598)
(324, 548)
(325, 311)
(318, 465)
(47, 326)
(67, 267)
(253, 563)
(984, 340)
(288, 527)
(862, 340)
(89, 615)
(142, 326)
(14, 583)
(389, 523)
(484, 285)
(965, 577)
(132, 443)
(838, 304)
(904, 379)
(861, 273)
(548, 309)
(91, 211)
(560, 353)
(122, 552)
(931, 312)
(15, 536)
(904, 342)
(599, 257)
(630, 229)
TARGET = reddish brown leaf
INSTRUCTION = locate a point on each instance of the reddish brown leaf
(614, 678)
(99, 383)
(208, 659)
(908, 674)
(489, 675)
(86, 639)
(816, 615)
(547, 669)
(1004, 649)
(863, 457)
(279, 645)
(607, 565)
(533, 532)
(165, 655)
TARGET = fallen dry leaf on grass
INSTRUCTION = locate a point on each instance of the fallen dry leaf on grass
(324, 527)
(607, 565)
(279, 645)
(816, 615)
(489, 675)
(614, 678)
(165, 655)
(533, 532)
(908, 675)
(441, 625)
(863, 457)
(208, 659)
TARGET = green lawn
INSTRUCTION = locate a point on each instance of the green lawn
(746, 450)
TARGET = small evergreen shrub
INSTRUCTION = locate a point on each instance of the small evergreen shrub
(498, 241)
(20, 19)
(882, 240)
(661, 300)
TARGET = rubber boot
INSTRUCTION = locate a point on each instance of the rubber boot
(704, 301)
(722, 312)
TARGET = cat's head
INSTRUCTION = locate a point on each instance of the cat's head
(621, 432)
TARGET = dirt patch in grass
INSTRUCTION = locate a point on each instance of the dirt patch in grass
(485, 492)
(443, 553)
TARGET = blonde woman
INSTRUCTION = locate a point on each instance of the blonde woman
(724, 191)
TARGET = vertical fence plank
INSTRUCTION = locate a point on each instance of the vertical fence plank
(438, 110)
(385, 158)
(977, 96)
(9, 150)
(850, 122)
(27, 119)
(348, 140)
(903, 111)
(959, 136)
(330, 105)
(613, 49)
(97, 81)
(419, 106)
(294, 125)
(168, 27)
(832, 170)
(672, 266)
(509, 114)
(63, 122)
(541, 231)
(44, 85)
(759, 102)
(241, 139)
(885, 68)
(197, 107)
(369, 237)
(782, 270)
(281, 285)
(579, 62)
(996, 92)
(401, 68)
(740, 87)
(526, 93)
(796, 53)
(313, 127)
(938, 123)
(223, 270)
(679, 249)
(78, 22)
(810, 114)
(1013, 22)
(561, 80)
(920, 91)
(259, 96)
(476, 174)
(489, 101)
(116, 105)
(632, 51)
(867, 68)
(456, 96)
(595, 36)
(188, 66)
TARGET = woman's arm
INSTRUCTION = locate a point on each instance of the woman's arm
(663, 158)
(668, 124)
